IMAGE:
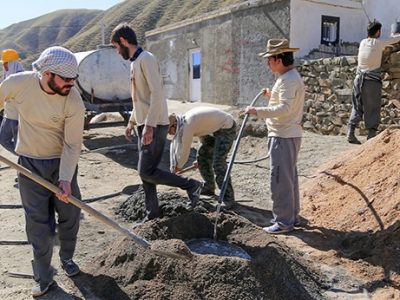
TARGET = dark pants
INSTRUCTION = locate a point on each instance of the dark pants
(369, 106)
(9, 134)
(40, 206)
(149, 159)
(212, 156)
(284, 184)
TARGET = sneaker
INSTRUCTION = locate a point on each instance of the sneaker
(194, 195)
(275, 229)
(70, 268)
(41, 288)
(297, 223)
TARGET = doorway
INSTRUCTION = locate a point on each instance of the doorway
(195, 75)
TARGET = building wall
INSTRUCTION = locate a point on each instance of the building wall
(231, 71)
(385, 11)
(171, 46)
(251, 30)
(305, 22)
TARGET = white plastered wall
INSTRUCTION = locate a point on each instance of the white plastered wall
(385, 11)
(305, 23)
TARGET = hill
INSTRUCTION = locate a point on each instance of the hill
(30, 37)
(80, 30)
(142, 15)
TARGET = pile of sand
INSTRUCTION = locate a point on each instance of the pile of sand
(354, 201)
(359, 191)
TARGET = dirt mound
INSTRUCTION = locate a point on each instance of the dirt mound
(355, 201)
(271, 274)
(359, 191)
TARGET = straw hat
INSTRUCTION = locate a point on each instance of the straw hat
(277, 46)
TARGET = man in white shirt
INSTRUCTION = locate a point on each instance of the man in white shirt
(367, 86)
(283, 118)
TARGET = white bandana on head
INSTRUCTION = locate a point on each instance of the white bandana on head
(57, 60)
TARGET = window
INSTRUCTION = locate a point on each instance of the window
(330, 30)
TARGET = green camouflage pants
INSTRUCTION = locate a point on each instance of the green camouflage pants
(211, 158)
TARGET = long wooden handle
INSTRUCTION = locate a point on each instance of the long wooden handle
(90, 210)
(192, 167)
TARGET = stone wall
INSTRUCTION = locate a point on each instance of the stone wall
(329, 87)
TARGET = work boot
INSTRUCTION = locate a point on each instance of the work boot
(207, 191)
(228, 204)
(371, 134)
(351, 138)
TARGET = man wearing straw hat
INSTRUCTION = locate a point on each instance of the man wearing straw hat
(283, 118)
(51, 117)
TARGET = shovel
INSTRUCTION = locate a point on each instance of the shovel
(158, 249)
(187, 169)
(228, 170)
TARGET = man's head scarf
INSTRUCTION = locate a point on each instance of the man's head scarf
(57, 60)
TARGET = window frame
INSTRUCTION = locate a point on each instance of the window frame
(330, 19)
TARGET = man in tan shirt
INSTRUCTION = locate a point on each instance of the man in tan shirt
(51, 117)
(283, 117)
(217, 131)
(150, 114)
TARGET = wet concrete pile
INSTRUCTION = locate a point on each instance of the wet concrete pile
(171, 205)
(272, 273)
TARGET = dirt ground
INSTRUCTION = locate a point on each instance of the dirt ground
(345, 260)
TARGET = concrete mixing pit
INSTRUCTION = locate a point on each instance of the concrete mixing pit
(215, 247)
(271, 273)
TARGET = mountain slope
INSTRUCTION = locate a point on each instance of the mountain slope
(142, 15)
(32, 36)
(80, 30)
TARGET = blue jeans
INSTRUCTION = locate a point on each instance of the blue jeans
(9, 134)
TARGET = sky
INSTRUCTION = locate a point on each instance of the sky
(21, 10)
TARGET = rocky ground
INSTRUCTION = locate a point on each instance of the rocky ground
(347, 250)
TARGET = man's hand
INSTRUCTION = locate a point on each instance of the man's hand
(147, 135)
(65, 186)
(251, 110)
(129, 129)
(266, 92)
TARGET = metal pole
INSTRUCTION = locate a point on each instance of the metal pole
(228, 171)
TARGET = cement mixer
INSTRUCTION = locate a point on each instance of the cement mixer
(104, 82)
